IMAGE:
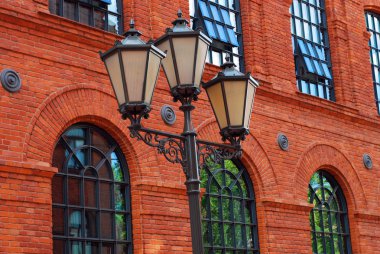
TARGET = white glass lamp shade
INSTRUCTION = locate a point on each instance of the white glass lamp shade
(133, 70)
(231, 95)
(186, 55)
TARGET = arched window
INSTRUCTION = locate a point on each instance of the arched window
(311, 48)
(328, 219)
(91, 194)
(373, 26)
(220, 20)
(102, 14)
(228, 209)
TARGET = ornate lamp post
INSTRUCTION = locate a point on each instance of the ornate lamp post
(133, 68)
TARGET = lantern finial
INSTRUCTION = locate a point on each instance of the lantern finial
(179, 13)
(132, 32)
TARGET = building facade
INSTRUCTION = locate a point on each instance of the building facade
(72, 180)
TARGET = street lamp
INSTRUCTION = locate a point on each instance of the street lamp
(133, 68)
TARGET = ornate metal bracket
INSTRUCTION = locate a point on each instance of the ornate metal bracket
(216, 152)
(172, 147)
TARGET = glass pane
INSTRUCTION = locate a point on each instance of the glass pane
(239, 236)
(91, 224)
(221, 32)
(113, 23)
(216, 234)
(74, 193)
(204, 9)
(309, 65)
(57, 189)
(99, 19)
(215, 13)
(228, 235)
(105, 195)
(116, 168)
(226, 17)
(214, 206)
(91, 248)
(75, 223)
(84, 15)
(326, 70)
(76, 247)
(120, 197)
(210, 29)
(302, 46)
(69, 10)
(122, 249)
(105, 171)
(232, 37)
(106, 223)
(227, 206)
(58, 221)
(121, 227)
(99, 141)
(107, 248)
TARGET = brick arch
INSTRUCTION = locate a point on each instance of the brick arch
(372, 5)
(70, 105)
(254, 158)
(330, 159)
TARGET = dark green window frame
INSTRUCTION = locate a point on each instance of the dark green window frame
(330, 233)
(228, 209)
(102, 14)
(91, 194)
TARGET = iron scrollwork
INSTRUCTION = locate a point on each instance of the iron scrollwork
(171, 146)
(216, 152)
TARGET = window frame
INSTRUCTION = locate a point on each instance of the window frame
(312, 83)
(209, 220)
(217, 46)
(343, 228)
(98, 210)
(376, 48)
(59, 10)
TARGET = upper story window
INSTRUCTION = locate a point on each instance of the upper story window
(91, 194)
(228, 209)
(311, 48)
(373, 26)
(328, 219)
(220, 20)
(103, 14)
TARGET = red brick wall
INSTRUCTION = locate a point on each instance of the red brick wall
(65, 82)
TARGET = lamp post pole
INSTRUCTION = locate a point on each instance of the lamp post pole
(193, 178)
(133, 68)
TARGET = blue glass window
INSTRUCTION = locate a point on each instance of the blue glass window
(373, 26)
(221, 21)
(311, 48)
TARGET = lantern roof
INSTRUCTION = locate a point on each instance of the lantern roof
(230, 72)
(132, 40)
(181, 28)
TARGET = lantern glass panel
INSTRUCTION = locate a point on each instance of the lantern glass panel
(167, 63)
(113, 67)
(152, 73)
(251, 89)
(217, 102)
(134, 69)
(235, 95)
(184, 48)
(200, 61)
